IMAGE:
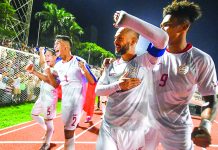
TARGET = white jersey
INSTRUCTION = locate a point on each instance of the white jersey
(128, 109)
(73, 87)
(48, 94)
(176, 78)
(69, 72)
(46, 102)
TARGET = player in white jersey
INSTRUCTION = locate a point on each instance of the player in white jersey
(181, 71)
(46, 102)
(128, 84)
(72, 71)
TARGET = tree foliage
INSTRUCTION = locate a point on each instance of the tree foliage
(56, 21)
(7, 13)
(93, 53)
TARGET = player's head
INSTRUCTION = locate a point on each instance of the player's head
(178, 16)
(125, 40)
(62, 45)
(50, 57)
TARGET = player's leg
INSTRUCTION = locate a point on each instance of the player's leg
(35, 114)
(48, 135)
(177, 139)
(72, 105)
(152, 139)
(130, 139)
(69, 143)
(71, 118)
(105, 140)
(49, 112)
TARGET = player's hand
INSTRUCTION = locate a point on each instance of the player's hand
(47, 70)
(41, 50)
(201, 137)
(82, 65)
(30, 68)
(128, 83)
(118, 17)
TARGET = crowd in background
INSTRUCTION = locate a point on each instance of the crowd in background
(15, 84)
(18, 46)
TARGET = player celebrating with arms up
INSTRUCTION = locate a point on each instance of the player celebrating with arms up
(46, 103)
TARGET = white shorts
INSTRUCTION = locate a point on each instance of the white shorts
(48, 110)
(169, 139)
(120, 139)
(72, 105)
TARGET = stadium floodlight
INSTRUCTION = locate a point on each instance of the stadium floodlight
(21, 22)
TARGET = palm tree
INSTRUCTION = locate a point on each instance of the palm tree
(57, 21)
(7, 13)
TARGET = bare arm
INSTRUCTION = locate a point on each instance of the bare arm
(51, 78)
(209, 111)
(41, 57)
(86, 73)
(201, 135)
(30, 68)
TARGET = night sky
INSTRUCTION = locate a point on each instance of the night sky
(98, 16)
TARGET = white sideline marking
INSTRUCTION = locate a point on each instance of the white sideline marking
(40, 142)
(23, 123)
(78, 135)
(20, 128)
(28, 142)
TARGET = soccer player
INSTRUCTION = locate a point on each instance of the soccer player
(128, 84)
(181, 71)
(46, 103)
(72, 71)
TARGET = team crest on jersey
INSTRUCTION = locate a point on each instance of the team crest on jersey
(183, 69)
(132, 70)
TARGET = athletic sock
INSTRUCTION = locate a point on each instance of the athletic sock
(40, 120)
(69, 144)
(49, 132)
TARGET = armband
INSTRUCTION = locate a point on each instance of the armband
(206, 124)
(155, 51)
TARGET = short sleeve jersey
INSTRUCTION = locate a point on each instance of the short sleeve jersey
(176, 78)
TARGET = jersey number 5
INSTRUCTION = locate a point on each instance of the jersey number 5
(48, 111)
(163, 80)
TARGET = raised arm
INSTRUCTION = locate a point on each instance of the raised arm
(87, 73)
(155, 35)
(30, 68)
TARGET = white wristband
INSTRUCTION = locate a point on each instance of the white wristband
(206, 124)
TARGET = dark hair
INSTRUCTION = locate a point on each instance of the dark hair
(64, 38)
(50, 50)
(183, 10)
